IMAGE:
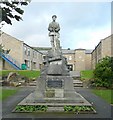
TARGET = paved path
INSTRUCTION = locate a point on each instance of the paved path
(75, 73)
(103, 109)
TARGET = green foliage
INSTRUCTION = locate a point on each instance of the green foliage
(26, 73)
(7, 10)
(5, 93)
(105, 94)
(103, 73)
(86, 74)
(31, 108)
(78, 109)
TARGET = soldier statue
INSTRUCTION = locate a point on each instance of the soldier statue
(54, 29)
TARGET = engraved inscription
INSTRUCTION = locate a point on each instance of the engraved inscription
(54, 83)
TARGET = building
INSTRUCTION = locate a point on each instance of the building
(82, 59)
(32, 58)
(103, 49)
(70, 55)
(20, 54)
(77, 60)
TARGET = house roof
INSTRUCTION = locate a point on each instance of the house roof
(88, 51)
(67, 51)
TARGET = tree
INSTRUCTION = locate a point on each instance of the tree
(11, 10)
(103, 73)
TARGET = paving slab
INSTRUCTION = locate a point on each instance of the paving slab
(102, 107)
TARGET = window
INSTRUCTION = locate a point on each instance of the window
(33, 54)
(34, 65)
(25, 50)
(28, 52)
(80, 57)
(28, 64)
(70, 57)
(44, 57)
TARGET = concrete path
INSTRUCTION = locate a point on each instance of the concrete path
(75, 73)
(103, 108)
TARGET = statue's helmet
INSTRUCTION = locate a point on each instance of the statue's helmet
(54, 16)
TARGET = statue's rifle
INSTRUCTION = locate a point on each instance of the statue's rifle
(54, 38)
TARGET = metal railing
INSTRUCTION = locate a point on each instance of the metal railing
(11, 60)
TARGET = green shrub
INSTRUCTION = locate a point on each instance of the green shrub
(78, 109)
(31, 108)
(103, 73)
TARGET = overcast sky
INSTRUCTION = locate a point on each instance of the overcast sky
(83, 24)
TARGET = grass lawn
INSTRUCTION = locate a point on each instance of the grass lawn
(26, 73)
(86, 74)
(5, 93)
(105, 94)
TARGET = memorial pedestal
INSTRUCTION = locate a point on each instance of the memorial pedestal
(55, 86)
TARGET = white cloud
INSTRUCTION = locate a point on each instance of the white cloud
(82, 25)
(93, 37)
(72, 0)
(37, 40)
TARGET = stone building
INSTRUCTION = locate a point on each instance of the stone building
(70, 55)
(78, 59)
(103, 49)
(20, 53)
(82, 59)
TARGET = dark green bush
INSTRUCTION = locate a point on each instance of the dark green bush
(30, 108)
(103, 73)
(78, 109)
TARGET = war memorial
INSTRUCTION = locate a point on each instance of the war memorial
(54, 90)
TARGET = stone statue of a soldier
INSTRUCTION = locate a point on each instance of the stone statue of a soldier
(54, 29)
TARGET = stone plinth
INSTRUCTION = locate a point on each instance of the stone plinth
(55, 86)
